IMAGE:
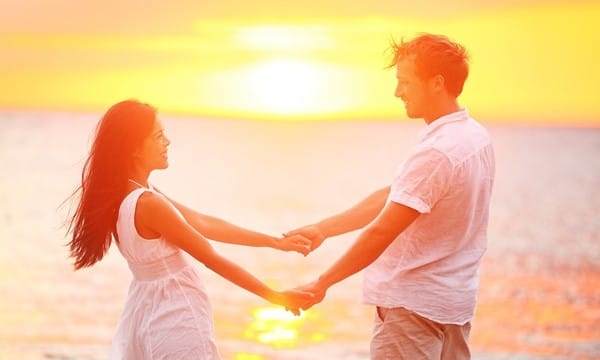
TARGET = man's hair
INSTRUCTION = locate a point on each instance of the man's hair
(433, 55)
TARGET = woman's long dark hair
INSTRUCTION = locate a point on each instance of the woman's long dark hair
(119, 134)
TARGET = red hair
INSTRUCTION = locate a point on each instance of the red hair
(435, 55)
(119, 134)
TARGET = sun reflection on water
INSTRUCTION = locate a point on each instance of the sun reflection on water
(280, 329)
(246, 356)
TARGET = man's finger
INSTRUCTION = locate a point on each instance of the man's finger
(304, 242)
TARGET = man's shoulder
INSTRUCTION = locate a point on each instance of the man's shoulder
(458, 140)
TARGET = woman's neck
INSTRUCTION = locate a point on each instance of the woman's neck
(138, 178)
(138, 173)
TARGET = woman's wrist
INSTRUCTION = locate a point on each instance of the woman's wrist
(273, 242)
(273, 296)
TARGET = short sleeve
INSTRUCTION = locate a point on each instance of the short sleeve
(422, 180)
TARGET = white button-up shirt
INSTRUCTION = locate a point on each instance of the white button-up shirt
(432, 267)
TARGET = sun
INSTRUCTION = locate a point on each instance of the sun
(286, 87)
(280, 87)
(288, 77)
(283, 83)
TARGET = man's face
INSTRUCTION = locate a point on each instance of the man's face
(411, 89)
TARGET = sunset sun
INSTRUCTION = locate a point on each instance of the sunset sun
(286, 87)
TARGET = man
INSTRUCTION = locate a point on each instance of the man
(427, 232)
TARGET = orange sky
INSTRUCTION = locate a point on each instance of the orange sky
(259, 59)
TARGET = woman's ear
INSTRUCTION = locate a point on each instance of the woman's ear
(136, 155)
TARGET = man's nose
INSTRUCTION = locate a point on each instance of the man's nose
(399, 91)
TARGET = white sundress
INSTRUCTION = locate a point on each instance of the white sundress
(167, 314)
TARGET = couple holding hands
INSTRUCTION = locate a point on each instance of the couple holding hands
(422, 243)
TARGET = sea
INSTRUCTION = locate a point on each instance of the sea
(539, 296)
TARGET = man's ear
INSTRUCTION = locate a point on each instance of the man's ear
(438, 83)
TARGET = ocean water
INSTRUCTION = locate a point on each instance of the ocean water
(540, 286)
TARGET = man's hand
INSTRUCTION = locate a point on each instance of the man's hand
(294, 300)
(318, 294)
(311, 232)
(295, 242)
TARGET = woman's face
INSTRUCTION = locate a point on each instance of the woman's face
(152, 154)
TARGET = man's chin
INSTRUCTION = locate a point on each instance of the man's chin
(412, 115)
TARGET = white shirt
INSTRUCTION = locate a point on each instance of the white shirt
(432, 267)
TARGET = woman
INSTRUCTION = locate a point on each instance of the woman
(167, 314)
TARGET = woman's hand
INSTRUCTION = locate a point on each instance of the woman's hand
(296, 242)
(293, 300)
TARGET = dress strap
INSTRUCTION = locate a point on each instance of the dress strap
(150, 187)
(136, 183)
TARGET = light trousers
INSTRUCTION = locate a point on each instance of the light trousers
(402, 334)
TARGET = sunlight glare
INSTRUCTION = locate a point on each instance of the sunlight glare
(285, 37)
(247, 356)
(286, 86)
(275, 326)
(282, 87)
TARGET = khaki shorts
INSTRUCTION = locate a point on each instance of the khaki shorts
(402, 334)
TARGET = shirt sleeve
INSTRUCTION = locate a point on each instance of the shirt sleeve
(422, 180)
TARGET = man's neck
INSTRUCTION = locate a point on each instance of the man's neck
(445, 108)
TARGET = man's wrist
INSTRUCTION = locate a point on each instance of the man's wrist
(322, 229)
(323, 283)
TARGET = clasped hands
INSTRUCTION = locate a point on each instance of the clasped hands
(303, 240)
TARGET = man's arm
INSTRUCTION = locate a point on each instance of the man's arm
(352, 219)
(358, 216)
(394, 219)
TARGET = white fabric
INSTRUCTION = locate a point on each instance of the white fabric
(167, 314)
(432, 268)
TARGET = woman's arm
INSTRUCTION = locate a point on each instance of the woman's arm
(156, 214)
(223, 231)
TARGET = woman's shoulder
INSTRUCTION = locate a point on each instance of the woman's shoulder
(150, 200)
(153, 205)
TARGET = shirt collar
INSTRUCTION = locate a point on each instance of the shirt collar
(459, 115)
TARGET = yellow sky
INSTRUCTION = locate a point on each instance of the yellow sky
(535, 63)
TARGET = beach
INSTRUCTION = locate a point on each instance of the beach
(539, 296)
